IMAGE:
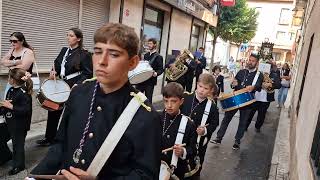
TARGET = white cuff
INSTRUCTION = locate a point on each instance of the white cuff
(205, 131)
(184, 156)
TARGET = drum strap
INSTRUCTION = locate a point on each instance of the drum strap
(255, 78)
(179, 138)
(205, 116)
(115, 135)
(153, 58)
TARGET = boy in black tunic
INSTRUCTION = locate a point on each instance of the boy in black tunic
(170, 121)
(197, 106)
(94, 107)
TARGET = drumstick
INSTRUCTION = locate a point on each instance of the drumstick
(57, 177)
(59, 92)
(205, 125)
(171, 148)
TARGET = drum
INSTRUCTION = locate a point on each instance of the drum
(53, 94)
(141, 73)
(236, 99)
(193, 167)
(165, 171)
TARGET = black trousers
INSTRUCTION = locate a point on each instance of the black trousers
(262, 108)
(244, 114)
(52, 124)
(5, 152)
(18, 141)
(188, 85)
(147, 89)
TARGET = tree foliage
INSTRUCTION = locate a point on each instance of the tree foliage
(237, 24)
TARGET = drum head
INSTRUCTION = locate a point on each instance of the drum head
(141, 77)
(57, 91)
(164, 171)
(141, 73)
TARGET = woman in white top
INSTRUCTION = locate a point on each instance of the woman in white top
(20, 55)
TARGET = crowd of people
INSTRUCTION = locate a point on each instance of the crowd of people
(108, 128)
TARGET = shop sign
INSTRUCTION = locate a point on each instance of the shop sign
(195, 9)
(228, 2)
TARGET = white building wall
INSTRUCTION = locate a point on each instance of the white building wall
(180, 31)
(310, 100)
(132, 14)
(268, 21)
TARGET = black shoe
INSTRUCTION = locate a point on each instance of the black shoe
(44, 142)
(15, 170)
(258, 130)
(216, 141)
(236, 146)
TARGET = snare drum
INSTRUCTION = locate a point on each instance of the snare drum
(193, 167)
(165, 171)
(141, 73)
(236, 99)
(53, 94)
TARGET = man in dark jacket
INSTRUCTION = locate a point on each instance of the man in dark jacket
(201, 62)
(156, 62)
(244, 79)
(263, 98)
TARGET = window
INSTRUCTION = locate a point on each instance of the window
(285, 16)
(315, 149)
(304, 74)
(152, 28)
(292, 36)
(259, 11)
(281, 35)
(194, 38)
(276, 56)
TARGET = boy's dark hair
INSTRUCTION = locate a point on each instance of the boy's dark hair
(201, 48)
(153, 40)
(173, 89)
(119, 34)
(215, 68)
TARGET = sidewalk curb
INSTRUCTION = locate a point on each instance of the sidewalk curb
(279, 169)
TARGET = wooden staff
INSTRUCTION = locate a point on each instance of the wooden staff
(171, 148)
(205, 125)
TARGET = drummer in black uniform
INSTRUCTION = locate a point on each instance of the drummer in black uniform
(73, 65)
(244, 79)
(137, 155)
(171, 120)
(197, 106)
(156, 62)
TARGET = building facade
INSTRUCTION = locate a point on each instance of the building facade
(304, 96)
(275, 25)
(175, 24)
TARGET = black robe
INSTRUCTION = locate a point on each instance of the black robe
(136, 156)
(168, 140)
(196, 117)
(79, 60)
